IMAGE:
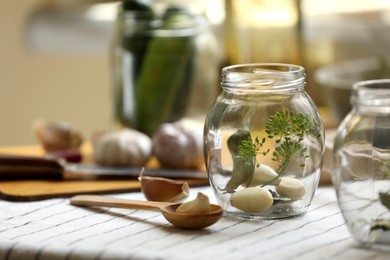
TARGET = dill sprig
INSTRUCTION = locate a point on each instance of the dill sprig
(288, 130)
(248, 150)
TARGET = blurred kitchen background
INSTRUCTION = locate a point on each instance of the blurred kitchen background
(54, 54)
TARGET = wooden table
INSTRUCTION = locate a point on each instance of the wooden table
(54, 229)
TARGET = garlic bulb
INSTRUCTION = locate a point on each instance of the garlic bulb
(163, 189)
(56, 136)
(200, 205)
(127, 147)
(178, 145)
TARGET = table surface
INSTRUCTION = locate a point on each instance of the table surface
(54, 229)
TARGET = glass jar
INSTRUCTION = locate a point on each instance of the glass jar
(164, 63)
(361, 173)
(264, 142)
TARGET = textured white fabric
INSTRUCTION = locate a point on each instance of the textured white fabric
(54, 229)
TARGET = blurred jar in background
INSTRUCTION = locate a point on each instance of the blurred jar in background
(267, 31)
(165, 64)
(361, 174)
(263, 31)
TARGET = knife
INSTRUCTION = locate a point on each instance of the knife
(30, 167)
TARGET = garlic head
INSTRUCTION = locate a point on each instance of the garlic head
(56, 135)
(126, 147)
(177, 145)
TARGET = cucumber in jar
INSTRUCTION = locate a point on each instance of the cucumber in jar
(164, 82)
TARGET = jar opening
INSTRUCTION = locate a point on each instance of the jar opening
(138, 22)
(263, 76)
(371, 93)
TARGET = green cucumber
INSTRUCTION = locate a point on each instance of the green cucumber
(163, 75)
(133, 41)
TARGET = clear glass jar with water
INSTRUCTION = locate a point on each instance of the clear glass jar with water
(264, 141)
(361, 174)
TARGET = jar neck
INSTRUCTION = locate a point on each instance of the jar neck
(178, 23)
(372, 96)
(263, 77)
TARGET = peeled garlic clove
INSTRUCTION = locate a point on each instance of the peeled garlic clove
(252, 200)
(163, 189)
(264, 175)
(291, 188)
(200, 205)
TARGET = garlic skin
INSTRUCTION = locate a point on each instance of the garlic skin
(264, 175)
(163, 189)
(126, 147)
(178, 145)
(56, 135)
(252, 200)
(291, 188)
(200, 205)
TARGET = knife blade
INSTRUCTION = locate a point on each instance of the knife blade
(29, 167)
(104, 171)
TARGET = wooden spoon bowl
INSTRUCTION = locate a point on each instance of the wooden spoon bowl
(192, 221)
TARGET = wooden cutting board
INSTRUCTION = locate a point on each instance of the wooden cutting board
(38, 190)
(30, 190)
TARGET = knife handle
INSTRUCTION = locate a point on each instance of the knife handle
(29, 167)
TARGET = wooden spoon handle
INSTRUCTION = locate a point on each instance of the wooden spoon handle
(102, 201)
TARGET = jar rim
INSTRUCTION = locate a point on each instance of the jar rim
(152, 27)
(371, 92)
(263, 76)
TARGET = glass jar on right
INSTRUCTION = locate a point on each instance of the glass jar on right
(361, 175)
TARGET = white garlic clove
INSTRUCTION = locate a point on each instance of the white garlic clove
(264, 175)
(163, 189)
(200, 205)
(252, 200)
(291, 188)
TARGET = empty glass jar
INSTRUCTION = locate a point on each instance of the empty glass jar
(264, 142)
(361, 173)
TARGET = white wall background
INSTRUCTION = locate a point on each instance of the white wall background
(68, 86)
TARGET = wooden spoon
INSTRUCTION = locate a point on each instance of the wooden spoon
(188, 221)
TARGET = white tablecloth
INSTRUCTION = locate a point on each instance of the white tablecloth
(54, 229)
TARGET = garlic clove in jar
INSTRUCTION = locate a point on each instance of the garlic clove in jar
(252, 200)
(163, 189)
(127, 147)
(200, 205)
(179, 145)
(291, 188)
(264, 175)
(56, 135)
